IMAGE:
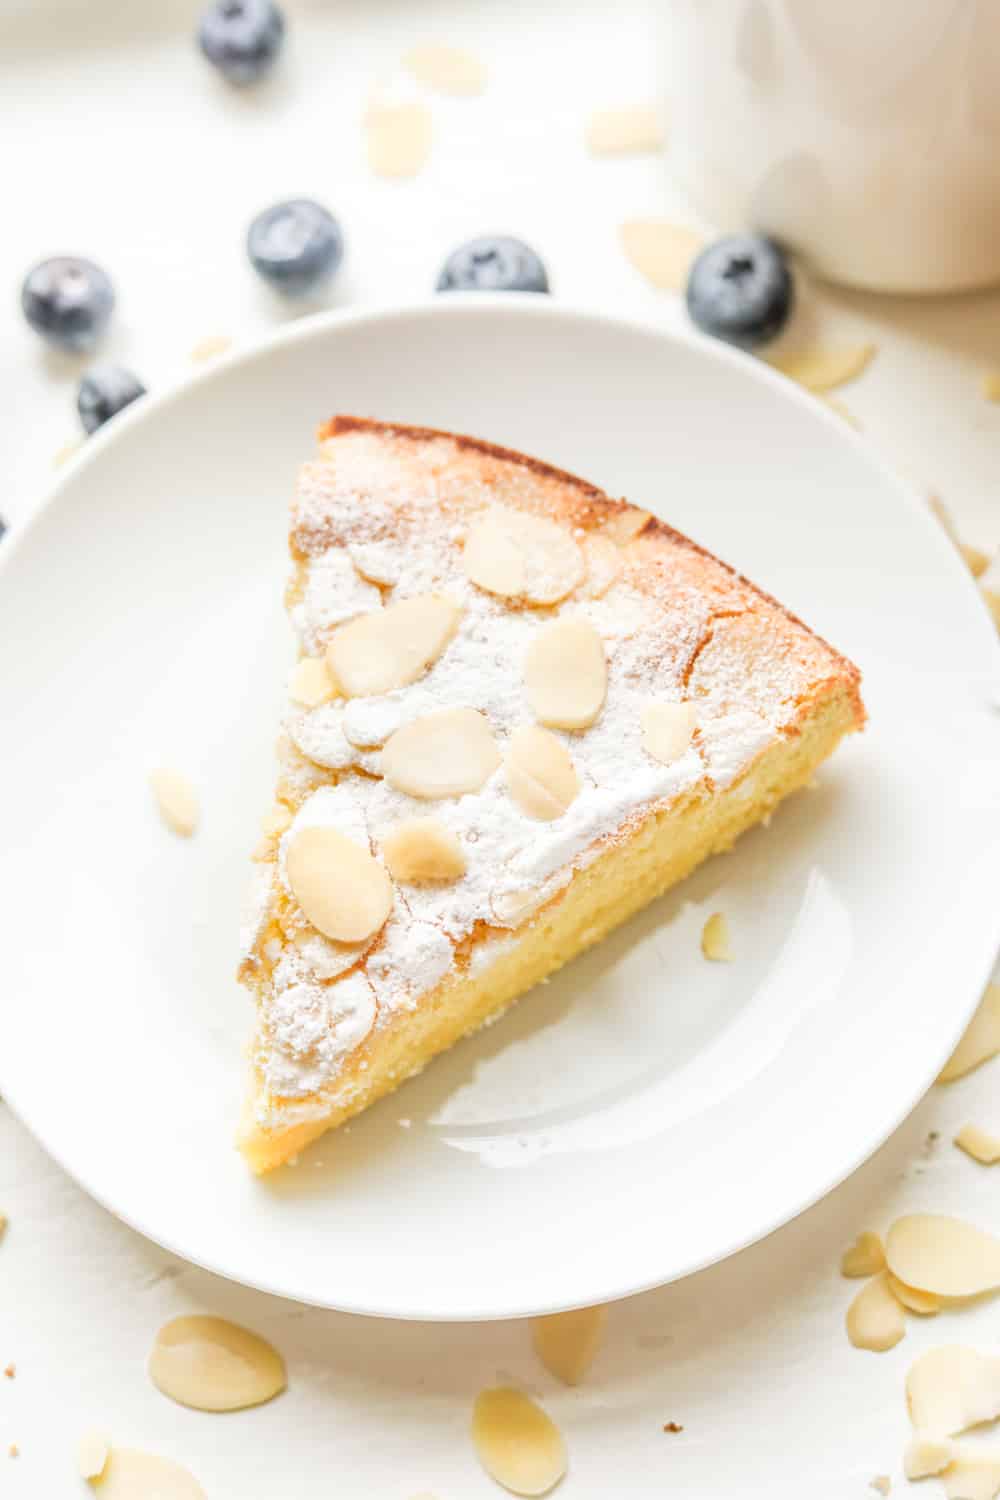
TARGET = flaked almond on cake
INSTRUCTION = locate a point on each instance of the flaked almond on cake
(521, 711)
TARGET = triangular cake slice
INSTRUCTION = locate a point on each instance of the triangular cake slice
(521, 711)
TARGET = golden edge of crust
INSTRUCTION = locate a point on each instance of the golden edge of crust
(604, 508)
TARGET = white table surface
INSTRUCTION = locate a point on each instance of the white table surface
(117, 142)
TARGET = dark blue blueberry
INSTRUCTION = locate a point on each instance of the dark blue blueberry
(295, 246)
(740, 289)
(493, 263)
(68, 300)
(242, 38)
(104, 392)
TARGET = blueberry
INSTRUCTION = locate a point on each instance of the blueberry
(740, 289)
(242, 38)
(68, 300)
(104, 392)
(295, 246)
(493, 263)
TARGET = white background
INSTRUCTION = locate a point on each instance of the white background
(118, 142)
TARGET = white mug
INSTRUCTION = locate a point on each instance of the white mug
(864, 134)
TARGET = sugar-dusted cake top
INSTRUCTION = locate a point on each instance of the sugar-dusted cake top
(501, 671)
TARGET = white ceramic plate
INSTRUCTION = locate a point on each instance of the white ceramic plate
(646, 1112)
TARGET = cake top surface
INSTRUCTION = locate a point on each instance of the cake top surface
(501, 672)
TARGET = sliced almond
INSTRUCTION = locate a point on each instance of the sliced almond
(715, 942)
(567, 1343)
(979, 1144)
(824, 369)
(133, 1475)
(913, 1299)
(514, 554)
(925, 1455)
(626, 525)
(981, 1040)
(666, 730)
(92, 1454)
(516, 1442)
(952, 1388)
(4, 1221)
(176, 801)
(943, 1255)
(866, 1257)
(423, 849)
(875, 1319)
(566, 674)
(342, 890)
(990, 385)
(975, 559)
(443, 754)
(210, 347)
(375, 562)
(448, 70)
(603, 561)
(881, 1484)
(540, 773)
(398, 137)
(212, 1365)
(391, 647)
(660, 251)
(624, 132)
(973, 1474)
(310, 683)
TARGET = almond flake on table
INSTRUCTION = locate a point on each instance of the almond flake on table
(449, 70)
(10, 1371)
(981, 1040)
(940, 1254)
(822, 370)
(660, 251)
(973, 1474)
(210, 347)
(952, 1388)
(212, 1365)
(628, 131)
(516, 1442)
(567, 1343)
(924, 1456)
(875, 1319)
(990, 385)
(13, 1451)
(976, 560)
(92, 1454)
(979, 1144)
(924, 1304)
(398, 137)
(881, 1484)
(866, 1257)
(133, 1475)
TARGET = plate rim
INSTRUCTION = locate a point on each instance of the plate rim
(456, 306)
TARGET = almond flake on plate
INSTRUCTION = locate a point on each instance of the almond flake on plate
(881, 1484)
(516, 1442)
(92, 1454)
(449, 70)
(715, 939)
(567, 1343)
(866, 1257)
(629, 131)
(176, 801)
(398, 138)
(979, 1144)
(133, 1475)
(952, 1388)
(943, 1255)
(875, 1319)
(981, 1040)
(212, 1365)
(823, 370)
(660, 251)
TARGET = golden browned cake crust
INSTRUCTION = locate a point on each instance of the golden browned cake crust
(389, 513)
